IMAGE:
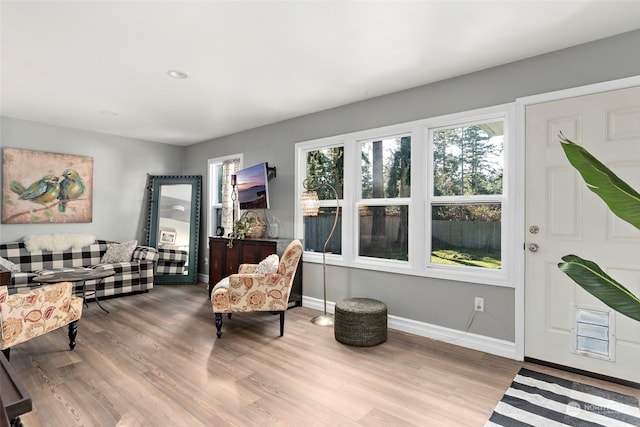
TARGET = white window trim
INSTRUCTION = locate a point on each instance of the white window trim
(419, 217)
(213, 185)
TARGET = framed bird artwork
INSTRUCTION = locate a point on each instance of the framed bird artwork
(43, 187)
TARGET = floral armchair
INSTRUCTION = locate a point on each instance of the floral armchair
(29, 314)
(248, 291)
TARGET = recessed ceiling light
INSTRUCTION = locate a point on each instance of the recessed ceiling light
(177, 74)
(108, 113)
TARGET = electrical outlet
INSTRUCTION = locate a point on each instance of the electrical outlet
(479, 304)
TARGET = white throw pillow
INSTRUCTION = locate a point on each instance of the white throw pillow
(119, 252)
(269, 265)
(9, 265)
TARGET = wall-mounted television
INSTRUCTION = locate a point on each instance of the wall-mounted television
(253, 187)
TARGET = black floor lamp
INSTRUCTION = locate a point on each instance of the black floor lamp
(310, 207)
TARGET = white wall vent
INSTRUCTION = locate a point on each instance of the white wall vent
(594, 332)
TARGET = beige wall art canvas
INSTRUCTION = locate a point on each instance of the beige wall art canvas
(41, 187)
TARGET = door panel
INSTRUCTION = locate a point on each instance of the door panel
(573, 220)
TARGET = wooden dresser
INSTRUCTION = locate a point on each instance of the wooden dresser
(224, 261)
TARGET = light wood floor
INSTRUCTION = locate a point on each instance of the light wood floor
(155, 361)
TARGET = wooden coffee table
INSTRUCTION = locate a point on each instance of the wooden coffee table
(78, 275)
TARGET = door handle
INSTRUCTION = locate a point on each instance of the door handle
(533, 247)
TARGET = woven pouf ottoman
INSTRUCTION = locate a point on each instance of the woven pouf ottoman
(360, 322)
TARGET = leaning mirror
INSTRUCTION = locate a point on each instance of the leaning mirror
(173, 225)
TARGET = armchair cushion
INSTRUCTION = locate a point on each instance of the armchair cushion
(26, 315)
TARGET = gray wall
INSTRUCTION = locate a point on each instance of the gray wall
(120, 167)
(440, 302)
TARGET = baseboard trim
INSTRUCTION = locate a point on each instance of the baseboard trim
(463, 339)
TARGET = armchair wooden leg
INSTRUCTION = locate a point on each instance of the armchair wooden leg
(219, 324)
(281, 323)
(73, 332)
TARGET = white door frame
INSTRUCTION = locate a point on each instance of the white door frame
(521, 105)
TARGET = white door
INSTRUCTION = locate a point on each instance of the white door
(563, 323)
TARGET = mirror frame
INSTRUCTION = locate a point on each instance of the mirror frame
(153, 212)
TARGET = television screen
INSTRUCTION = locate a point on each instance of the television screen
(253, 187)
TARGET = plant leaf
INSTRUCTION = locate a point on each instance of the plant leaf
(592, 279)
(621, 198)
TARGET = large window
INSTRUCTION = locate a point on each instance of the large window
(466, 199)
(385, 187)
(220, 203)
(324, 174)
(431, 197)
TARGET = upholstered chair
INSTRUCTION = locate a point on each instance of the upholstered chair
(29, 314)
(249, 291)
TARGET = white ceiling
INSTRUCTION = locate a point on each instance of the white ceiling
(255, 63)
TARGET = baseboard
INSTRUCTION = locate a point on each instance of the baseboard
(203, 278)
(463, 339)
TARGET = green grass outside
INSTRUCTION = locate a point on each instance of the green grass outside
(467, 257)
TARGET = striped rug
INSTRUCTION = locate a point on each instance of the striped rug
(536, 399)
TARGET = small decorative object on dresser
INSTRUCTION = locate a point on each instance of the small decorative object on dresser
(249, 226)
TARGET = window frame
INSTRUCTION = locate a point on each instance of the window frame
(433, 200)
(420, 201)
(212, 180)
(360, 201)
(302, 149)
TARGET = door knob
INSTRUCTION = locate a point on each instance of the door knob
(533, 247)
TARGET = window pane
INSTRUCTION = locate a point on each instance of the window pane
(219, 182)
(317, 229)
(386, 168)
(384, 232)
(327, 164)
(218, 217)
(466, 235)
(468, 160)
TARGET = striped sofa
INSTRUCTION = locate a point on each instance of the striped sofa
(133, 276)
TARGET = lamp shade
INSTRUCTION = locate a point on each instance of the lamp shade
(309, 203)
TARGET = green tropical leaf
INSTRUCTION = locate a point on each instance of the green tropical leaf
(592, 279)
(621, 198)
